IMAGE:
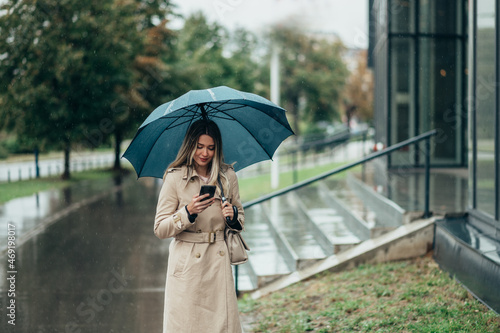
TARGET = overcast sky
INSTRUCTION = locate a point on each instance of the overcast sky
(347, 19)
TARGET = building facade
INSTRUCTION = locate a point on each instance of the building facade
(437, 66)
(484, 128)
(419, 50)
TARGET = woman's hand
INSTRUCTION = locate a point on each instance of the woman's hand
(227, 210)
(196, 206)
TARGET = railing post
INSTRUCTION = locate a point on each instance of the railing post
(37, 167)
(363, 171)
(236, 280)
(427, 212)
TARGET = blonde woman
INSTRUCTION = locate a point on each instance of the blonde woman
(199, 293)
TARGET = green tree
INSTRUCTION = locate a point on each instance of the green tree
(207, 55)
(150, 75)
(65, 64)
(313, 74)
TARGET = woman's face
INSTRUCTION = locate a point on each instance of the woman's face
(205, 150)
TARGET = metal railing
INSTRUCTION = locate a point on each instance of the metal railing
(425, 136)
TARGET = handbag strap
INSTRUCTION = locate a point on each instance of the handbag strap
(221, 190)
(223, 198)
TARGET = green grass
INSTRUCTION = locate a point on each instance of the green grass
(254, 187)
(406, 296)
(9, 191)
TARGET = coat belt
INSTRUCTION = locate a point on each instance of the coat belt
(201, 237)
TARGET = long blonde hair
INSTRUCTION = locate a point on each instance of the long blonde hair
(186, 153)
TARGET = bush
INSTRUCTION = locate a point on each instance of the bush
(4, 153)
(15, 146)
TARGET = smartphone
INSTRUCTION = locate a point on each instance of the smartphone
(207, 189)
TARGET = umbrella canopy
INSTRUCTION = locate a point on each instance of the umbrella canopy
(251, 126)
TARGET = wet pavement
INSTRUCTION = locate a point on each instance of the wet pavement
(38, 210)
(98, 268)
(292, 223)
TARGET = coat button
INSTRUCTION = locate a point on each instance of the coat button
(221, 253)
(197, 255)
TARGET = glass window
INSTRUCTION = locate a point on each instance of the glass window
(439, 16)
(401, 14)
(402, 62)
(440, 90)
(485, 106)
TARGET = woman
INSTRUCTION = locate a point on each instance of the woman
(199, 294)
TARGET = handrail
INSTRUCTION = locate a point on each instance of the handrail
(367, 158)
(424, 136)
(336, 138)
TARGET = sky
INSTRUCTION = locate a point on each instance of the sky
(347, 19)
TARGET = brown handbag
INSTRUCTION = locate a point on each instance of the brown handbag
(236, 245)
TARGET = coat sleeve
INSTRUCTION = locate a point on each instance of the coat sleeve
(235, 195)
(169, 219)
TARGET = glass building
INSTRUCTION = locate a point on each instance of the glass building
(419, 51)
(484, 115)
(437, 66)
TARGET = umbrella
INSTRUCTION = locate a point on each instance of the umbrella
(252, 128)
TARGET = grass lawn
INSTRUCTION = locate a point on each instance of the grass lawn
(9, 191)
(406, 296)
(254, 187)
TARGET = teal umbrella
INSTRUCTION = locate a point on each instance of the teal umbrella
(251, 126)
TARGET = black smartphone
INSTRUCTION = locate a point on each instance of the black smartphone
(210, 189)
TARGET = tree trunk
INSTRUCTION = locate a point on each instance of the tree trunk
(118, 141)
(294, 110)
(66, 173)
(349, 113)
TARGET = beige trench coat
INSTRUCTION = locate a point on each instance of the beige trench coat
(199, 294)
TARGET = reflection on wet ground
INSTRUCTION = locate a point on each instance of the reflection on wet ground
(98, 269)
(30, 211)
(291, 222)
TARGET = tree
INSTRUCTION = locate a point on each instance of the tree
(207, 55)
(312, 71)
(150, 73)
(65, 63)
(358, 94)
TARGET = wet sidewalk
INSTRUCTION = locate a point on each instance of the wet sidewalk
(99, 268)
(37, 211)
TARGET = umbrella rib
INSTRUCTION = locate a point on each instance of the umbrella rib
(158, 137)
(239, 106)
(214, 109)
(187, 109)
(248, 131)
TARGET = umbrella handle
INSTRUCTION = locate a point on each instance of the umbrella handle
(224, 201)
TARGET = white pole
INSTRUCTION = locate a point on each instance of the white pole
(275, 98)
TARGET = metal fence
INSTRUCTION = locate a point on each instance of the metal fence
(16, 171)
